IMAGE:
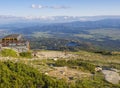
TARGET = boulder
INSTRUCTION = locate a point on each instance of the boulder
(111, 76)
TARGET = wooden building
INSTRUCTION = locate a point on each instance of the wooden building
(16, 42)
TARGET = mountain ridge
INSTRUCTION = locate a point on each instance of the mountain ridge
(53, 19)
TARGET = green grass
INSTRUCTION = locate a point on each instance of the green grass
(8, 52)
(26, 54)
(18, 75)
(84, 60)
(18, 72)
(99, 59)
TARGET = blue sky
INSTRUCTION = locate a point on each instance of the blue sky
(59, 7)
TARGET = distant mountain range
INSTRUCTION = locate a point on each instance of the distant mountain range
(67, 27)
(52, 19)
(57, 24)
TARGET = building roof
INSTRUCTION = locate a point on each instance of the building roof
(12, 36)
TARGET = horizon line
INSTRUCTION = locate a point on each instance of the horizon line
(60, 16)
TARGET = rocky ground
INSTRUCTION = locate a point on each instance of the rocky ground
(54, 54)
(111, 76)
(68, 74)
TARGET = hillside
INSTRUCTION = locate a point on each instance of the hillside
(57, 69)
(18, 75)
(60, 44)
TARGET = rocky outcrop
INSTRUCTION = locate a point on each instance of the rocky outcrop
(111, 76)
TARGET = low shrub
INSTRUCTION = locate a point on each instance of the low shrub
(25, 54)
(8, 52)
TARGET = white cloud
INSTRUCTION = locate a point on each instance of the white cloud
(39, 17)
(33, 6)
(37, 6)
(52, 7)
(40, 6)
(59, 7)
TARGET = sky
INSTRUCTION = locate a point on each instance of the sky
(59, 7)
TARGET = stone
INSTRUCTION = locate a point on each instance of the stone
(111, 76)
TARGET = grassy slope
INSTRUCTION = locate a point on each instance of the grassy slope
(18, 75)
(92, 58)
(99, 59)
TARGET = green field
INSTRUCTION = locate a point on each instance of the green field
(100, 34)
(113, 34)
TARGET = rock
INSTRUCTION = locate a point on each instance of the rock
(46, 73)
(98, 69)
(111, 76)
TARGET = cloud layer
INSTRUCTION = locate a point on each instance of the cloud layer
(51, 7)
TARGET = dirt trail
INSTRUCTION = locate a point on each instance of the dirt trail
(54, 54)
(69, 74)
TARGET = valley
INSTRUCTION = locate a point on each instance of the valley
(102, 34)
